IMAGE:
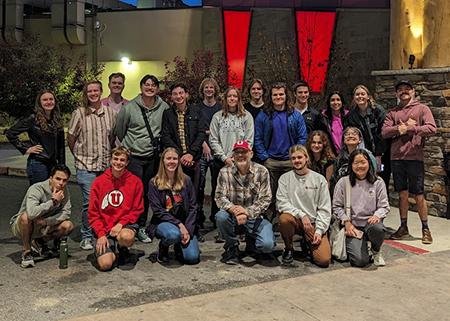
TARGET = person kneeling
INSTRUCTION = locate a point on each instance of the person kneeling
(44, 215)
(368, 207)
(304, 201)
(243, 194)
(174, 204)
(116, 201)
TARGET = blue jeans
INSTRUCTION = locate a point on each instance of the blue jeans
(38, 171)
(264, 238)
(170, 234)
(85, 180)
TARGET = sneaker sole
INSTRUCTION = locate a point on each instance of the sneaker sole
(427, 242)
(287, 261)
(397, 238)
(148, 240)
(231, 262)
(29, 264)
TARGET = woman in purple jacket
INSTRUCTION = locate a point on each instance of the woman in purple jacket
(172, 198)
(368, 207)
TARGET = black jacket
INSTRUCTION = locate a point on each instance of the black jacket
(312, 119)
(370, 126)
(194, 130)
(52, 141)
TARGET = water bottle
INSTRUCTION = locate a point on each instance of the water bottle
(63, 254)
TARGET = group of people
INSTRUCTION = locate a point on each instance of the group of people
(274, 161)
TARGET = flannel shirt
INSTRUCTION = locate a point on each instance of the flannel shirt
(181, 132)
(251, 191)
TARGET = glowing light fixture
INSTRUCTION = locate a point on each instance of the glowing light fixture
(126, 60)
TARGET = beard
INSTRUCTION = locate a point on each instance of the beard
(242, 165)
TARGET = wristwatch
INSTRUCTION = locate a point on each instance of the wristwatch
(55, 201)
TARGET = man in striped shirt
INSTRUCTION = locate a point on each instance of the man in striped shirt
(243, 194)
(90, 138)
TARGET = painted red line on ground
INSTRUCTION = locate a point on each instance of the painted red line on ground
(406, 247)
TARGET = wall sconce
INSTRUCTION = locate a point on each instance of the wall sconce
(412, 58)
(126, 60)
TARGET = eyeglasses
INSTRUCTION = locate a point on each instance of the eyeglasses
(351, 134)
(241, 152)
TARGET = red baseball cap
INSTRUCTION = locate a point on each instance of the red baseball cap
(241, 144)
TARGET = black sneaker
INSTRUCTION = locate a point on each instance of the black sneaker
(178, 252)
(40, 247)
(124, 255)
(27, 259)
(232, 256)
(287, 256)
(57, 244)
(163, 254)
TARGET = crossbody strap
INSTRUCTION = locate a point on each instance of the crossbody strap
(171, 197)
(147, 124)
(347, 198)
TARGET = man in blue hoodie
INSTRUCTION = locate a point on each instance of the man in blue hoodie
(277, 128)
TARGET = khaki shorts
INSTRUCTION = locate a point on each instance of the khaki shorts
(35, 233)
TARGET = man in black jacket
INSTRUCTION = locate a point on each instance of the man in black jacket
(183, 128)
(310, 115)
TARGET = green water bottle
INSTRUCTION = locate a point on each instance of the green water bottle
(63, 254)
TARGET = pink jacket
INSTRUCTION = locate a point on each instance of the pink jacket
(409, 146)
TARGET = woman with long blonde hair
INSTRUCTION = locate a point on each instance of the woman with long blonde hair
(174, 204)
(46, 133)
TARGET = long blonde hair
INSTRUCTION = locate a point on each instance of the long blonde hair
(370, 101)
(161, 180)
(240, 110)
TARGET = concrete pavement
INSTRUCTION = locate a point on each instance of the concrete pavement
(211, 290)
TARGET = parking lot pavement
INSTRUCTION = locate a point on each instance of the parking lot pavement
(48, 293)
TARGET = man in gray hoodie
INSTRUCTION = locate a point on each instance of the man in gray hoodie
(138, 127)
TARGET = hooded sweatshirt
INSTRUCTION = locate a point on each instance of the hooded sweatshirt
(131, 129)
(409, 146)
(114, 200)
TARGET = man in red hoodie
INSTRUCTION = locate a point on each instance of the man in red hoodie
(408, 124)
(116, 202)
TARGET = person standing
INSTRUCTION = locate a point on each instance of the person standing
(368, 117)
(116, 86)
(256, 90)
(90, 138)
(332, 120)
(209, 90)
(310, 115)
(279, 127)
(139, 129)
(408, 124)
(46, 133)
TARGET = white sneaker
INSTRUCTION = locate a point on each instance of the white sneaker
(86, 245)
(378, 259)
(142, 236)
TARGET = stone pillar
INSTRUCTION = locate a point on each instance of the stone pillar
(436, 42)
(407, 17)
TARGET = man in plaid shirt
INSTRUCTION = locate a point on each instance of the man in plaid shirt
(243, 194)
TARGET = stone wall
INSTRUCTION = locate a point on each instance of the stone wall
(432, 89)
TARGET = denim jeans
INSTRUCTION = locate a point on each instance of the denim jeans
(204, 165)
(145, 169)
(85, 180)
(227, 225)
(38, 171)
(170, 234)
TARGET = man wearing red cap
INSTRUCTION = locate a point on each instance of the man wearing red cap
(243, 194)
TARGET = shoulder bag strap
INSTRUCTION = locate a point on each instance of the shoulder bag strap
(348, 211)
(171, 197)
(147, 124)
